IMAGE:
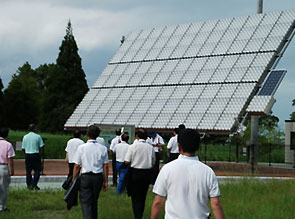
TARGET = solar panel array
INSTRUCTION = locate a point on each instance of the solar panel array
(201, 74)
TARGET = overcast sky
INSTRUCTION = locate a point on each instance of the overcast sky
(32, 30)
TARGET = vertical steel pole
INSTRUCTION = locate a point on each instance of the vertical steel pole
(254, 142)
(260, 7)
(255, 121)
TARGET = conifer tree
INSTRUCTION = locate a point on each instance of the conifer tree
(65, 85)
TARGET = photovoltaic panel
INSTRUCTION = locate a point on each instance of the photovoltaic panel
(202, 74)
(264, 100)
(272, 82)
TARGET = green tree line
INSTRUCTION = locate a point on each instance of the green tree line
(47, 95)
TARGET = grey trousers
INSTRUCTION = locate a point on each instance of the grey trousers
(4, 183)
(90, 186)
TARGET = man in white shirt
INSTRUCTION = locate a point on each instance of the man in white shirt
(101, 141)
(158, 144)
(91, 159)
(187, 183)
(172, 146)
(120, 151)
(72, 146)
(140, 157)
(116, 140)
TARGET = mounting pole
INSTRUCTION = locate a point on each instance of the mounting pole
(254, 142)
(255, 121)
(260, 7)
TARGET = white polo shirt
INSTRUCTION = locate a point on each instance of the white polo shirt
(101, 140)
(173, 145)
(157, 140)
(187, 183)
(121, 150)
(141, 155)
(115, 140)
(91, 156)
(72, 146)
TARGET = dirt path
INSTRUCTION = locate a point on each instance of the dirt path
(60, 167)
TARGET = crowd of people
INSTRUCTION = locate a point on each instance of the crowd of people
(184, 184)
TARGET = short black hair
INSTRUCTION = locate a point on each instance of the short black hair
(4, 132)
(176, 130)
(31, 127)
(118, 132)
(142, 134)
(77, 133)
(181, 126)
(189, 140)
(93, 131)
(125, 137)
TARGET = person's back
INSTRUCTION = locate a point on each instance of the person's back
(101, 141)
(72, 146)
(141, 157)
(93, 155)
(142, 154)
(190, 200)
(31, 143)
(91, 160)
(187, 184)
(173, 145)
(121, 150)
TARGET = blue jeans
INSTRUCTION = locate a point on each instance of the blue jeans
(122, 172)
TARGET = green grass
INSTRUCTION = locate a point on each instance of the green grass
(253, 199)
(244, 199)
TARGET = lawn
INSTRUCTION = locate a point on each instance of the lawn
(244, 199)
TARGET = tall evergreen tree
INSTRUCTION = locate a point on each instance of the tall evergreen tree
(65, 85)
(22, 99)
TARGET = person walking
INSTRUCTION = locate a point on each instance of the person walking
(120, 151)
(72, 146)
(6, 167)
(31, 144)
(172, 146)
(91, 160)
(141, 157)
(187, 183)
(116, 140)
(158, 145)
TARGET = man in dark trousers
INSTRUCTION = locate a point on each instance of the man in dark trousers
(32, 143)
(116, 140)
(72, 146)
(187, 184)
(91, 159)
(141, 157)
